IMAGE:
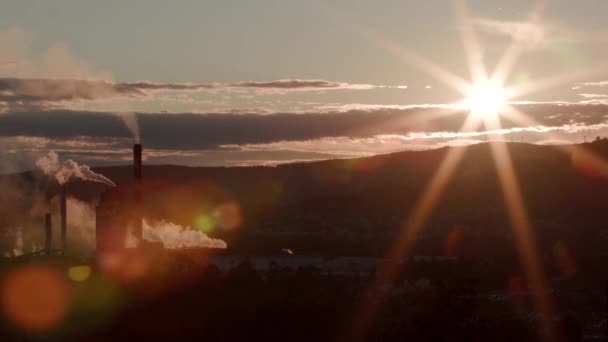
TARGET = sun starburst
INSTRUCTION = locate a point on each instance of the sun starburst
(487, 100)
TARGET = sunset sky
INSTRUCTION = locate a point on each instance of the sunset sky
(268, 81)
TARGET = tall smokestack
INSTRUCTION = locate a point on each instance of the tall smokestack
(137, 150)
(48, 234)
(64, 218)
(137, 175)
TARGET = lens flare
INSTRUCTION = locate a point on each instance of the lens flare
(228, 216)
(204, 223)
(79, 273)
(35, 297)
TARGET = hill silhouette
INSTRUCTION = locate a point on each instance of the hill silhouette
(356, 206)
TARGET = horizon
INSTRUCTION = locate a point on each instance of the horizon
(357, 82)
(275, 164)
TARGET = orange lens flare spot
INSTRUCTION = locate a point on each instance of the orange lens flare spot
(588, 164)
(35, 298)
(228, 216)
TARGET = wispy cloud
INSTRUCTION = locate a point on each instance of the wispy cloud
(594, 96)
(18, 92)
(530, 33)
(283, 84)
(591, 84)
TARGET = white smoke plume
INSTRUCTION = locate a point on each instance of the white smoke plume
(130, 120)
(174, 236)
(81, 224)
(51, 166)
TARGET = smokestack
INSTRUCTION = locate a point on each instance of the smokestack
(64, 218)
(137, 150)
(48, 234)
(137, 174)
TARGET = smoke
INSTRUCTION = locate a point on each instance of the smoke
(130, 120)
(50, 165)
(81, 224)
(174, 236)
(18, 249)
(57, 61)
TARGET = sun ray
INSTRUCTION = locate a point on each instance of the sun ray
(525, 242)
(402, 246)
(487, 99)
(408, 56)
(439, 73)
(471, 45)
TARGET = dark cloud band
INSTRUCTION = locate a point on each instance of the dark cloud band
(208, 131)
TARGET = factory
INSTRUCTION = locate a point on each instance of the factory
(118, 221)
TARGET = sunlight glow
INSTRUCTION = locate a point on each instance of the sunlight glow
(486, 98)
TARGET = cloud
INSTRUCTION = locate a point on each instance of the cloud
(366, 146)
(594, 96)
(529, 33)
(591, 84)
(189, 131)
(276, 86)
(17, 90)
(58, 93)
(341, 147)
(97, 138)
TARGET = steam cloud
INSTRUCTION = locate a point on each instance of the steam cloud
(174, 236)
(50, 165)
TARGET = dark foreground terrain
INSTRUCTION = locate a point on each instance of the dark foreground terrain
(463, 281)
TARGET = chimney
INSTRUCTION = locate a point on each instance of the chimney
(48, 234)
(64, 218)
(137, 149)
(137, 175)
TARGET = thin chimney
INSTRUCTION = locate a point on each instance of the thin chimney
(48, 234)
(137, 175)
(64, 218)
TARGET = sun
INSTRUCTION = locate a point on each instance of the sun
(486, 98)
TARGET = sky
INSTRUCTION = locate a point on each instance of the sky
(232, 83)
